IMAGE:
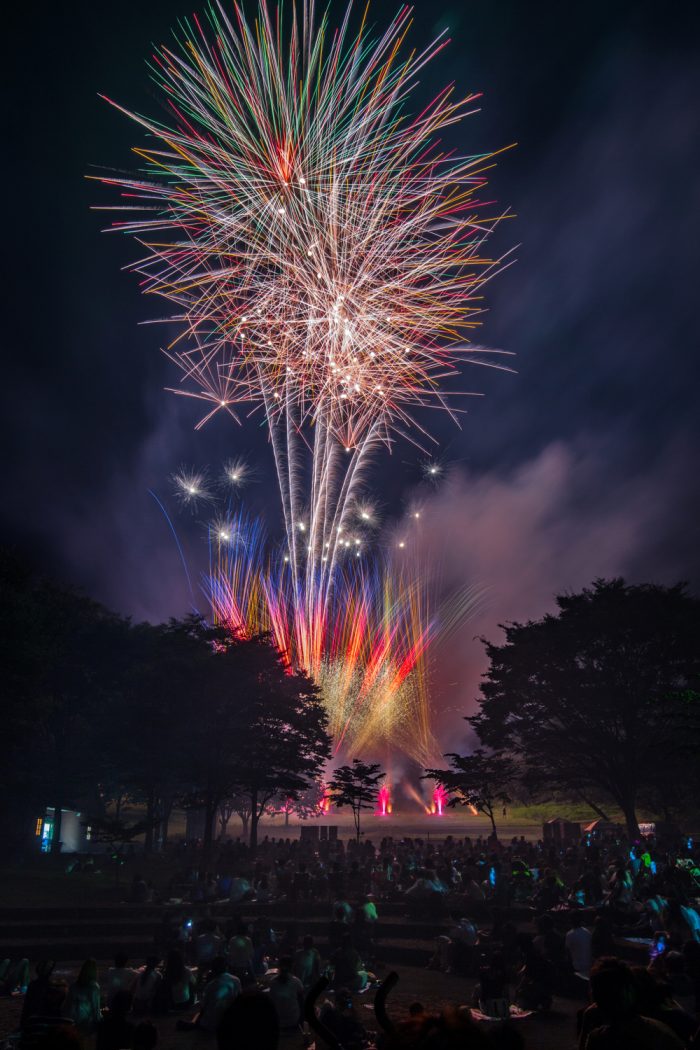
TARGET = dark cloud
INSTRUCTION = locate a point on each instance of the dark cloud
(550, 525)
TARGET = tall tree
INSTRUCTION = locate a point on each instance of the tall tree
(61, 655)
(595, 699)
(480, 781)
(150, 743)
(261, 730)
(357, 786)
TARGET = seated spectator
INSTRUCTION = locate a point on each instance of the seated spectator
(146, 986)
(307, 964)
(249, 1023)
(549, 892)
(549, 942)
(287, 995)
(300, 884)
(578, 943)
(426, 894)
(46, 1028)
(614, 994)
(535, 977)
(342, 911)
(36, 991)
(114, 1032)
(337, 929)
(241, 890)
(342, 1022)
(120, 978)
(408, 1032)
(219, 992)
(602, 937)
(348, 968)
(139, 890)
(14, 977)
(84, 1002)
(145, 1036)
(177, 989)
(691, 960)
(240, 954)
(492, 993)
(680, 984)
(208, 944)
(463, 936)
(655, 1001)
(223, 889)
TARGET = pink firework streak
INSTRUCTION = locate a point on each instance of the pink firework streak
(439, 800)
(384, 804)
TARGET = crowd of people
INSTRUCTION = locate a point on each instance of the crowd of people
(522, 925)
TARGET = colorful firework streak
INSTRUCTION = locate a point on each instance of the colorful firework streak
(367, 649)
(322, 250)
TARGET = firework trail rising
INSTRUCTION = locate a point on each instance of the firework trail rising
(321, 251)
(370, 643)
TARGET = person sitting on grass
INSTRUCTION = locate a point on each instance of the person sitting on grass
(348, 968)
(341, 1020)
(52, 1024)
(219, 992)
(14, 977)
(114, 1030)
(615, 1021)
(84, 1000)
(578, 944)
(287, 995)
(145, 1036)
(177, 989)
(307, 963)
(36, 991)
(146, 986)
(250, 1023)
(535, 977)
(240, 953)
(492, 993)
(120, 977)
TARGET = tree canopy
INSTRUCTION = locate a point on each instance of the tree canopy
(98, 711)
(600, 700)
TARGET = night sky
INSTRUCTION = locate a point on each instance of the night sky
(584, 463)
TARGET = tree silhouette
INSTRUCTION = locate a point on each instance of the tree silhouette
(356, 786)
(600, 700)
(479, 780)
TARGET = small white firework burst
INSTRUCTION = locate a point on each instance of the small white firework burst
(236, 473)
(192, 487)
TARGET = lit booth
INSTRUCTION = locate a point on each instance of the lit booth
(75, 837)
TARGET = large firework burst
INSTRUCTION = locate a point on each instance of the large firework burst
(321, 248)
